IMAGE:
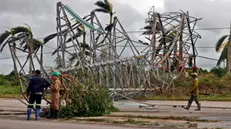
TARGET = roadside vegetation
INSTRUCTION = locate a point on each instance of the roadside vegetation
(214, 85)
(9, 85)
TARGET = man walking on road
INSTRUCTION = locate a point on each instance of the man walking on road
(35, 90)
(194, 93)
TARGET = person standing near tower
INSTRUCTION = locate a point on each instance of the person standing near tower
(55, 89)
(34, 92)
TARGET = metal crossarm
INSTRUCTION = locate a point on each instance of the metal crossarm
(78, 18)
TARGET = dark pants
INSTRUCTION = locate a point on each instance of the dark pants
(193, 97)
(35, 98)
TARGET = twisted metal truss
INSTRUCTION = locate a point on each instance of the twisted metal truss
(94, 55)
(128, 70)
(24, 67)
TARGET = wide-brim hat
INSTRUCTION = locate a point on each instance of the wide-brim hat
(194, 74)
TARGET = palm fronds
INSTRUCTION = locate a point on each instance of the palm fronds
(104, 6)
(109, 27)
(72, 57)
(148, 28)
(56, 50)
(223, 55)
(3, 37)
(101, 10)
(85, 46)
(75, 36)
(49, 37)
(20, 29)
(34, 42)
(220, 42)
(108, 5)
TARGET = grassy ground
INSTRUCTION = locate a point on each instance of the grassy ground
(12, 92)
(9, 91)
(201, 97)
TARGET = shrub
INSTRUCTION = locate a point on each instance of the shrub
(220, 72)
(86, 101)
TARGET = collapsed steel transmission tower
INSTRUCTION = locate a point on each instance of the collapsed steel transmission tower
(127, 70)
(106, 56)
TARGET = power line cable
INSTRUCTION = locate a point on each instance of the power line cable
(3, 58)
(21, 56)
(139, 31)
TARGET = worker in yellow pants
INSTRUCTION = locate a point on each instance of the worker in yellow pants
(194, 93)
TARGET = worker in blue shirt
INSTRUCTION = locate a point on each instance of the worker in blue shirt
(35, 90)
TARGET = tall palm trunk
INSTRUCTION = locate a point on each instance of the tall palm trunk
(41, 57)
(111, 14)
(110, 37)
(30, 48)
(228, 66)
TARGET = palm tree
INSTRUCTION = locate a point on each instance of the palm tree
(105, 7)
(225, 45)
(148, 28)
(16, 32)
(25, 36)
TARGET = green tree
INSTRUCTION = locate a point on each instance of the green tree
(203, 70)
(220, 72)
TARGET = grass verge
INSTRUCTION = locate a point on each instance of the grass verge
(185, 98)
(10, 92)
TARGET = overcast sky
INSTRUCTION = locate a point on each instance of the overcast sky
(41, 14)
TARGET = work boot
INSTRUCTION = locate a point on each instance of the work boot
(198, 107)
(51, 114)
(56, 114)
(28, 114)
(188, 106)
(37, 111)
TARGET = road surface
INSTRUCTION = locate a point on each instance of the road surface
(127, 108)
(19, 124)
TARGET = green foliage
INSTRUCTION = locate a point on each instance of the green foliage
(226, 80)
(218, 71)
(183, 82)
(211, 80)
(87, 101)
(6, 90)
(9, 80)
(202, 70)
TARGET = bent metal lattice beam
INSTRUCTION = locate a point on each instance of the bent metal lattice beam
(108, 57)
(128, 69)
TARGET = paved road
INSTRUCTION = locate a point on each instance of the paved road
(17, 124)
(126, 108)
(132, 108)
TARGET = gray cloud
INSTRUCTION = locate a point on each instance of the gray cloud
(28, 7)
(41, 14)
